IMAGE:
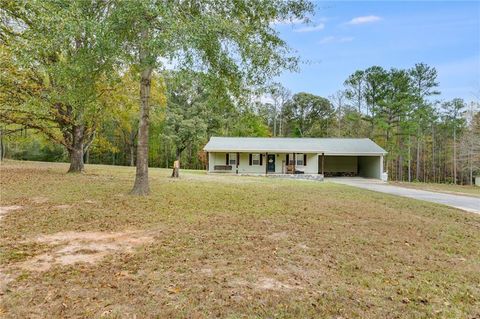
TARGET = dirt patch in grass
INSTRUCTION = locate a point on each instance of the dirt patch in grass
(273, 284)
(82, 247)
(6, 209)
(39, 199)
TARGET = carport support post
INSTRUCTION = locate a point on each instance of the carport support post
(323, 163)
(381, 167)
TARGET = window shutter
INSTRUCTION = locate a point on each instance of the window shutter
(304, 159)
(227, 159)
(238, 158)
(288, 159)
(250, 159)
(261, 157)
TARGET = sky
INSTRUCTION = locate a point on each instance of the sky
(347, 36)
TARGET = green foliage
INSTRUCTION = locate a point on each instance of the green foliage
(25, 145)
(63, 53)
(308, 115)
(232, 42)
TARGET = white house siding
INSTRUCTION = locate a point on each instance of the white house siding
(244, 167)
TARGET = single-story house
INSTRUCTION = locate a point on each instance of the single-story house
(325, 156)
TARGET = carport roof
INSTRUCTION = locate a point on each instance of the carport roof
(328, 146)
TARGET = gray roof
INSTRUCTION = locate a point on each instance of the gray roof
(329, 146)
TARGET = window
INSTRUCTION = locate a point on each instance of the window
(232, 159)
(255, 159)
(299, 158)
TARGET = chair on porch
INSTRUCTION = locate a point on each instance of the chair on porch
(290, 169)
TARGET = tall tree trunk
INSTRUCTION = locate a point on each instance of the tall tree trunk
(2, 154)
(132, 155)
(470, 167)
(141, 186)
(433, 154)
(281, 126)
(454, 156)
(417, 171)
(275, 125)
(76, 151)
(409, 159)
(167, 154)
(86, 157)
(132, 147)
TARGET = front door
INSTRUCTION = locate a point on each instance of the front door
(271, 163)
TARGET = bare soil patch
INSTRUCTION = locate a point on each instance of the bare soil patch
(82, 247)
(6, 209)
(273, 284)
(39, 199)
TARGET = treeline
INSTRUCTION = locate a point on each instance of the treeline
(427, 140)
(130, 83)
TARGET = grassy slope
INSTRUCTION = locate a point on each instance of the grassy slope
(330, 250)
(466, 190)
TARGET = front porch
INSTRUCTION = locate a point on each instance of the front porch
(264, 163)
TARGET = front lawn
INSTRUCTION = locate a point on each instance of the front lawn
(226, 246)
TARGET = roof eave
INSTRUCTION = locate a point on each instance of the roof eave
(296, 151)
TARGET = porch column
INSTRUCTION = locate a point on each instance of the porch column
(266, 163)
(237, 161)
(294, 162)
(211, 162)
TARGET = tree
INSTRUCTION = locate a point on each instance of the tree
(355, 85)
(424, 84)
(375, 80)
(278, 97)
(231, 41)
(64, 62)
(469, 156)
(121, 123)
(392, 112)
(186, 113)
(308, 115)
(452, 112)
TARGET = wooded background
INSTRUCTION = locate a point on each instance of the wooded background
(427, 140)
(63, 90)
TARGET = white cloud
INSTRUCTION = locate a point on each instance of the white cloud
(364, 19)
(318, 27)
(332, 39)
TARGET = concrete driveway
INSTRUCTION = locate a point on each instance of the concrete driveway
(470, 204)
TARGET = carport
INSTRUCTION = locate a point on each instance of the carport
(368, 166)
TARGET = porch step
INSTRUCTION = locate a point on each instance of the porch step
(312, 177)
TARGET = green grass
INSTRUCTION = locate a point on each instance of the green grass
(466, 190)
(233, 247)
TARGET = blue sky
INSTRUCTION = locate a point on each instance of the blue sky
(347, 36)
